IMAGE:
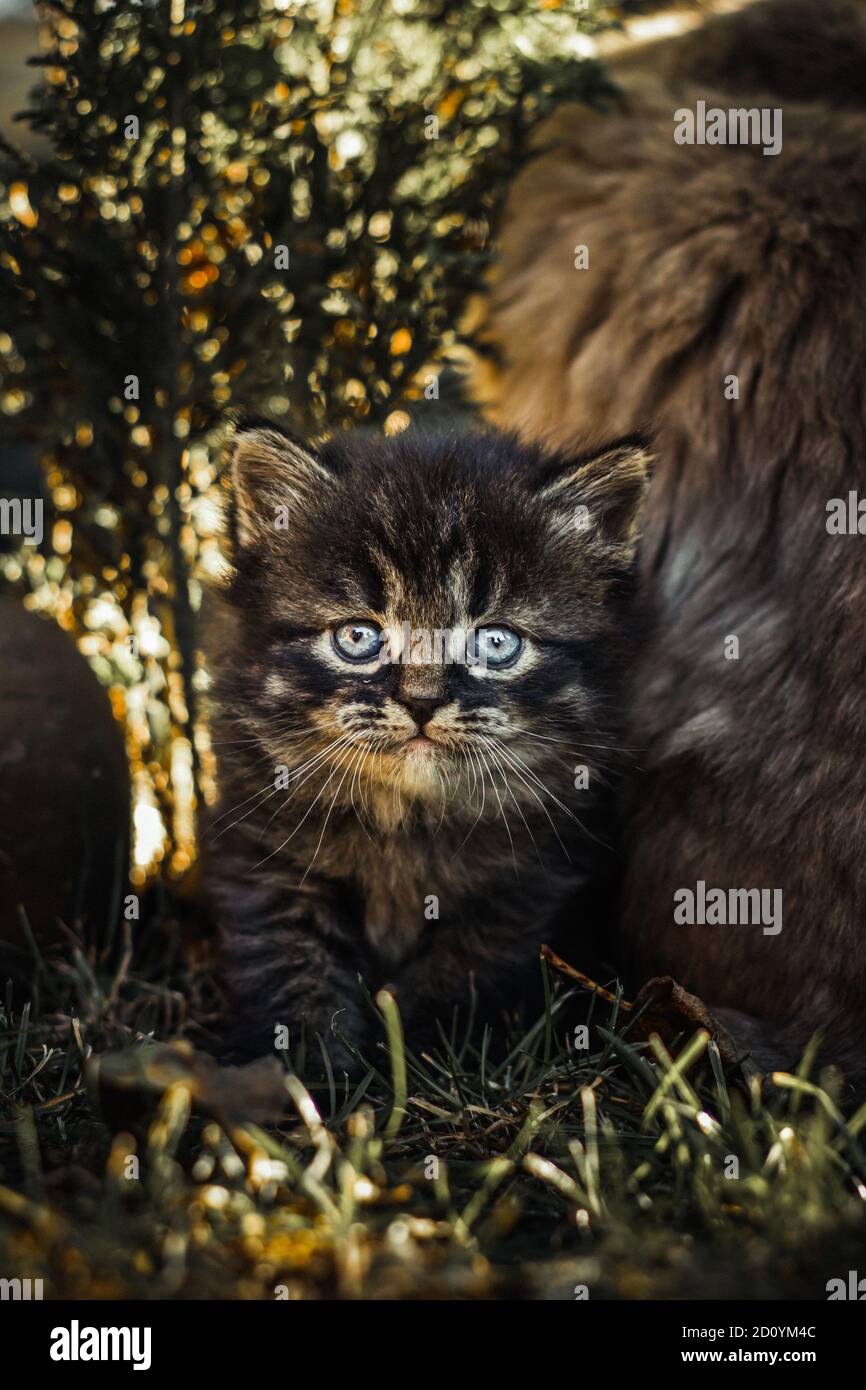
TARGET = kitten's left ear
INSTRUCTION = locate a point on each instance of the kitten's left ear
(273, 474)
(600, 495)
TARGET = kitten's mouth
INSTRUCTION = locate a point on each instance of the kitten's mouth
(419, 743)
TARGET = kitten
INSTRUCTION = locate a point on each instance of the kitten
(725, 300)
(412, 813)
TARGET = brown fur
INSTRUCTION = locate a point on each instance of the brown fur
(707, 261)
(335, 874)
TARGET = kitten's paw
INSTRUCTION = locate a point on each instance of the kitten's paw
(245, 1040)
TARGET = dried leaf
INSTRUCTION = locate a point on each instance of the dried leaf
(668, 1009)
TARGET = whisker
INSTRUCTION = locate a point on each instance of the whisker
(363, 755)
(311, 766)
(309, 809)
(504, 817)
(534, 793)
(515, 758)
(264, 795)
(529, 771)
(245, 802)
(324, 827)
(519, 809)
(473, 754)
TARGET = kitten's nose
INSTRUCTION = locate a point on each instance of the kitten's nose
(422, 707)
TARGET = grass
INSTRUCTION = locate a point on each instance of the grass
(499, 1166)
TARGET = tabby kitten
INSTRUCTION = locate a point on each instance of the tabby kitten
(394, 806)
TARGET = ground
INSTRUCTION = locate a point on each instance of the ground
(132, 1166)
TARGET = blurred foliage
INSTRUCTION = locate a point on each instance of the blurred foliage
(264, 202)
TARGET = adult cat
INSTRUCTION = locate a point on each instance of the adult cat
(725, 300)
(392, 806)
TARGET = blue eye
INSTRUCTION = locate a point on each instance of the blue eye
(497, 646)
(358, 641)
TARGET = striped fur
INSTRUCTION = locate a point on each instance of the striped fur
(342, 870)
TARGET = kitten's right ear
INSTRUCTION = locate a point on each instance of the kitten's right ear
(273, 475)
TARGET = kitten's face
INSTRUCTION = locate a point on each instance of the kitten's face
(420, 612)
